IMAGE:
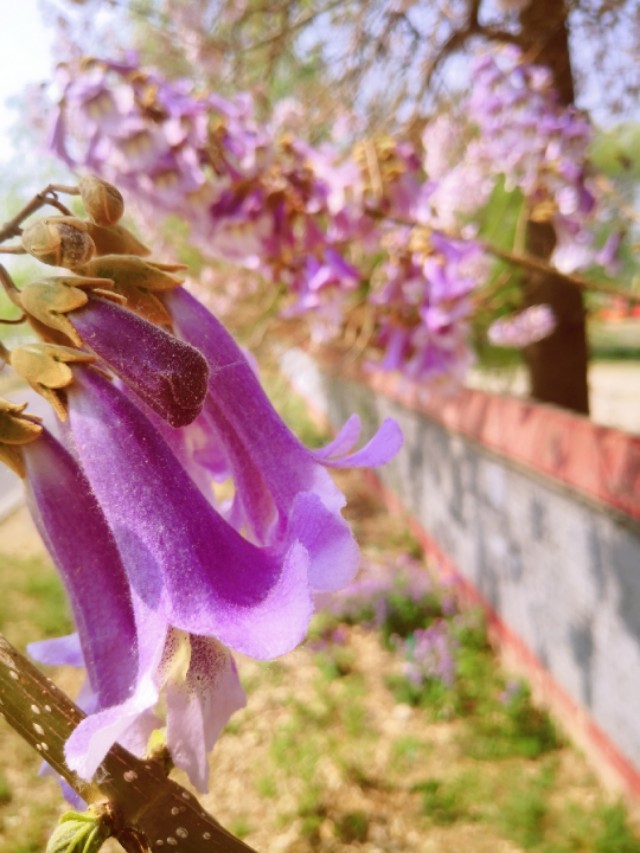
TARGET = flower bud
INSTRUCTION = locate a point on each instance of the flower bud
(80, 832)
(102, 201)
(61, 241)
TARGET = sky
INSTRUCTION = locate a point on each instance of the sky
(25, 57)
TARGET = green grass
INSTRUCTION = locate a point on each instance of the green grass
(353, 827)
(442, 803)
(33, 604)
(507, 775)
(615, 341)
(241, 827)
(614, 834)
(525, 816)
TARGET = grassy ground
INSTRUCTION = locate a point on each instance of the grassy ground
(336, 750)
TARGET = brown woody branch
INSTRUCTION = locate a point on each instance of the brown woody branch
(146, 806)
(459, 38)
(524, 261)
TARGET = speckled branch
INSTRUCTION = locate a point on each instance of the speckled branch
(150, 811)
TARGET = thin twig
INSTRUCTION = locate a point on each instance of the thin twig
(9, 287)
(537, 265)
(47, 196)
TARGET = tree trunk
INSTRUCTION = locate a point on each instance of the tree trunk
(558, 364)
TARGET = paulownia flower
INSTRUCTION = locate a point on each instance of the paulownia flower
(130, 652)
(78, 538)
(182, 558)
(167, 373)
(283, 490)
(196, 675)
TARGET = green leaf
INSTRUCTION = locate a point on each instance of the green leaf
(80, 832)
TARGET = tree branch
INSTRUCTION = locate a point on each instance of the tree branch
(458, 39)
(525, 261)
(147, 806)
(47, 196)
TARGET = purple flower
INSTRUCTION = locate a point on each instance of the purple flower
(199, 705)
(520, 330)
(168, 374)
(283, 492)
(183, 560)
(431, 654)
(130, 652)
(77, 535)
(198, 678)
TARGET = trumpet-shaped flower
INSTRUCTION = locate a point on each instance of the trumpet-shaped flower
(283, 491)
(130, 652)
(198, 678)
(183, 559)
(77, 535)
(169, 375)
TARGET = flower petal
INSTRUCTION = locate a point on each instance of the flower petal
(182, 557)
(333, 552)
(167, 373)
(199, 708)
(59, 651)
(96, 734)
(80, 542)
(343, 442)
(384, 445)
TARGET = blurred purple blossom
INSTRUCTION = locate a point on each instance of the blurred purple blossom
(430, 654)
(341, 230)
(520, 330)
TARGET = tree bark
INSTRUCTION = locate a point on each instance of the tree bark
(558, 364)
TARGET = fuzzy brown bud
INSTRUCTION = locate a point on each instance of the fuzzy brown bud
(102, 201)
(61, 241)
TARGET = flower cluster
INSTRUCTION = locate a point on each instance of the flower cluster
(395, 599)
(418, 618)
(430, 654)
(157, 405)
(324, 224)
(518, 130)
(375, 234)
